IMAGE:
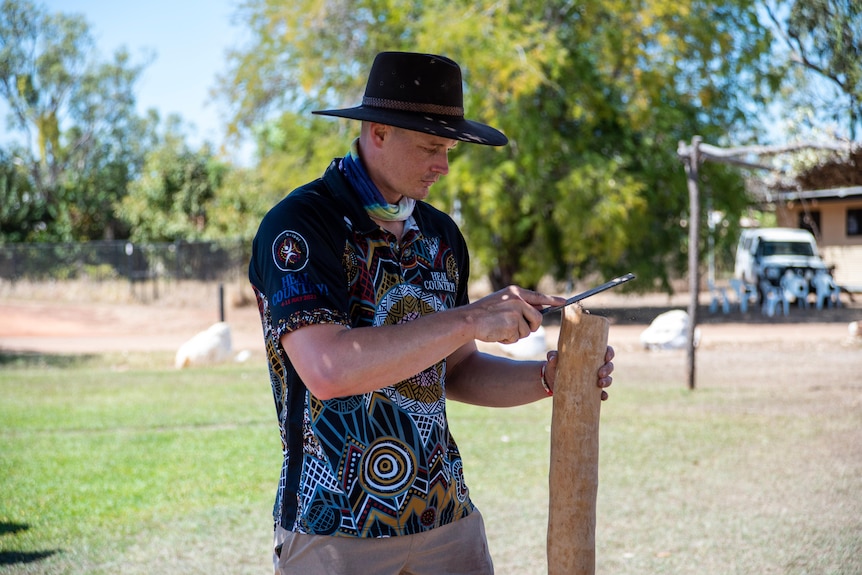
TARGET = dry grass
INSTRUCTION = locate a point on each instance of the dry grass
(757, 471)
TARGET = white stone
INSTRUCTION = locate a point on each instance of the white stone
(208, 347)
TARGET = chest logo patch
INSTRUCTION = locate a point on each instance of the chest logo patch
(290, 251)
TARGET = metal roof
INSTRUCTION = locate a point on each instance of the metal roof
(831, 193)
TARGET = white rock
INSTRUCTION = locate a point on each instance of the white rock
(527, 347)
(669, 331)
(208, 347)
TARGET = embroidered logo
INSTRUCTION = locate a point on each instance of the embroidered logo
(290, 251)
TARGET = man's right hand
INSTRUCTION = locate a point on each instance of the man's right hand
(508, 315)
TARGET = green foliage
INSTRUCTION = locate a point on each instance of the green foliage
(824, 37)
(73, 118)
(172, 198)
(19, 205)
(237, 207)
(89, 167)
(593, 96)
(294, 148)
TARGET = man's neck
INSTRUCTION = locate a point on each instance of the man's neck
(395, 227)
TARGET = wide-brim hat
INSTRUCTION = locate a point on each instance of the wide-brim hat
(419, 92)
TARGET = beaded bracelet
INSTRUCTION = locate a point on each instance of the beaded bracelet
(545, 385)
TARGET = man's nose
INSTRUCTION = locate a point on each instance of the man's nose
(441, 165)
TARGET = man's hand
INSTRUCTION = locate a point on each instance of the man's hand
(508, 315)
(603, 379)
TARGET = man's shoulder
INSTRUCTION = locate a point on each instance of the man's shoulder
(310, 193)
(323, 191)
(311, 198)
(305, 210)
(429, 217)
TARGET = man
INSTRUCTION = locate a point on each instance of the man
(362, 290)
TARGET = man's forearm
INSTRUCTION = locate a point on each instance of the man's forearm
(334, 361)
(493, 381)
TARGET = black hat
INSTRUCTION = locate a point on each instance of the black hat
(419, 92)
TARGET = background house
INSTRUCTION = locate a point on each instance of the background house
(828, 202)
(834, 216)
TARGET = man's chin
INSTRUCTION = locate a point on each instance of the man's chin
(423, 192)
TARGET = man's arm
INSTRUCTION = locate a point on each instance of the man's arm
(334, 361)
(485, 379)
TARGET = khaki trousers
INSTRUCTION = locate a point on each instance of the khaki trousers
(460, 548)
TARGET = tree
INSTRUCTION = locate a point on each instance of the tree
(80, 137)
(594, 97)
(17, 210)
(824, 37)
(290, 151)
(173, 196)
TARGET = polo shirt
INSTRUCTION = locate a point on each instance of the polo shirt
(383, 463)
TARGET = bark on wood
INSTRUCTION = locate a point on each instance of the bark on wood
(574, 470)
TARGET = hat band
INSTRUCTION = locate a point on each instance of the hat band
(413, 107)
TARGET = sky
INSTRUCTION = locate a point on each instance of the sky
(187, 40)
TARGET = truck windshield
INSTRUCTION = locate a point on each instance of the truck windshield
(770, 248)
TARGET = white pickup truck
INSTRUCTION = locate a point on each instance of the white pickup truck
(766, 254)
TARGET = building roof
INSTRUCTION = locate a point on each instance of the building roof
(828, 194)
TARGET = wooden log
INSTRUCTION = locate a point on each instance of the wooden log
(574, 470)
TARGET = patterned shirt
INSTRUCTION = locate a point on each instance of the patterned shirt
(382, 463)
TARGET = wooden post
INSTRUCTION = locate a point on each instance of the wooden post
(691, 170)
(574, 472)
(221, 302)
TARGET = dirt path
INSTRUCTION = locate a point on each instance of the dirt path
(87, 327)
(76, 327)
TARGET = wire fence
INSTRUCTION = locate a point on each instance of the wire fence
(140, 264)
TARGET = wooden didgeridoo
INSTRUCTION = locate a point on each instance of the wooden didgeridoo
(574, 471)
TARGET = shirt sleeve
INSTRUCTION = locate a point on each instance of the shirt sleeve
(296, 263)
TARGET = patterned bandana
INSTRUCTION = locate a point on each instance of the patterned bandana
(374, 202)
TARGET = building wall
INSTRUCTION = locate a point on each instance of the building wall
(848, 265)
(837, 248)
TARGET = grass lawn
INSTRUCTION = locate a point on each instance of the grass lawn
(114, 464)
(109, 466)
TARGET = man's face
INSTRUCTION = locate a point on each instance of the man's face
(410, 163)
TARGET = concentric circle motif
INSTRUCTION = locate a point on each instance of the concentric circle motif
(389, 468)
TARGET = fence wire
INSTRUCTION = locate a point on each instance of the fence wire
(112, 260)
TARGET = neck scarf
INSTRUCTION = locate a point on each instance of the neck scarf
(374, 202)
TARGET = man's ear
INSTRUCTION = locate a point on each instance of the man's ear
(379, 132)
